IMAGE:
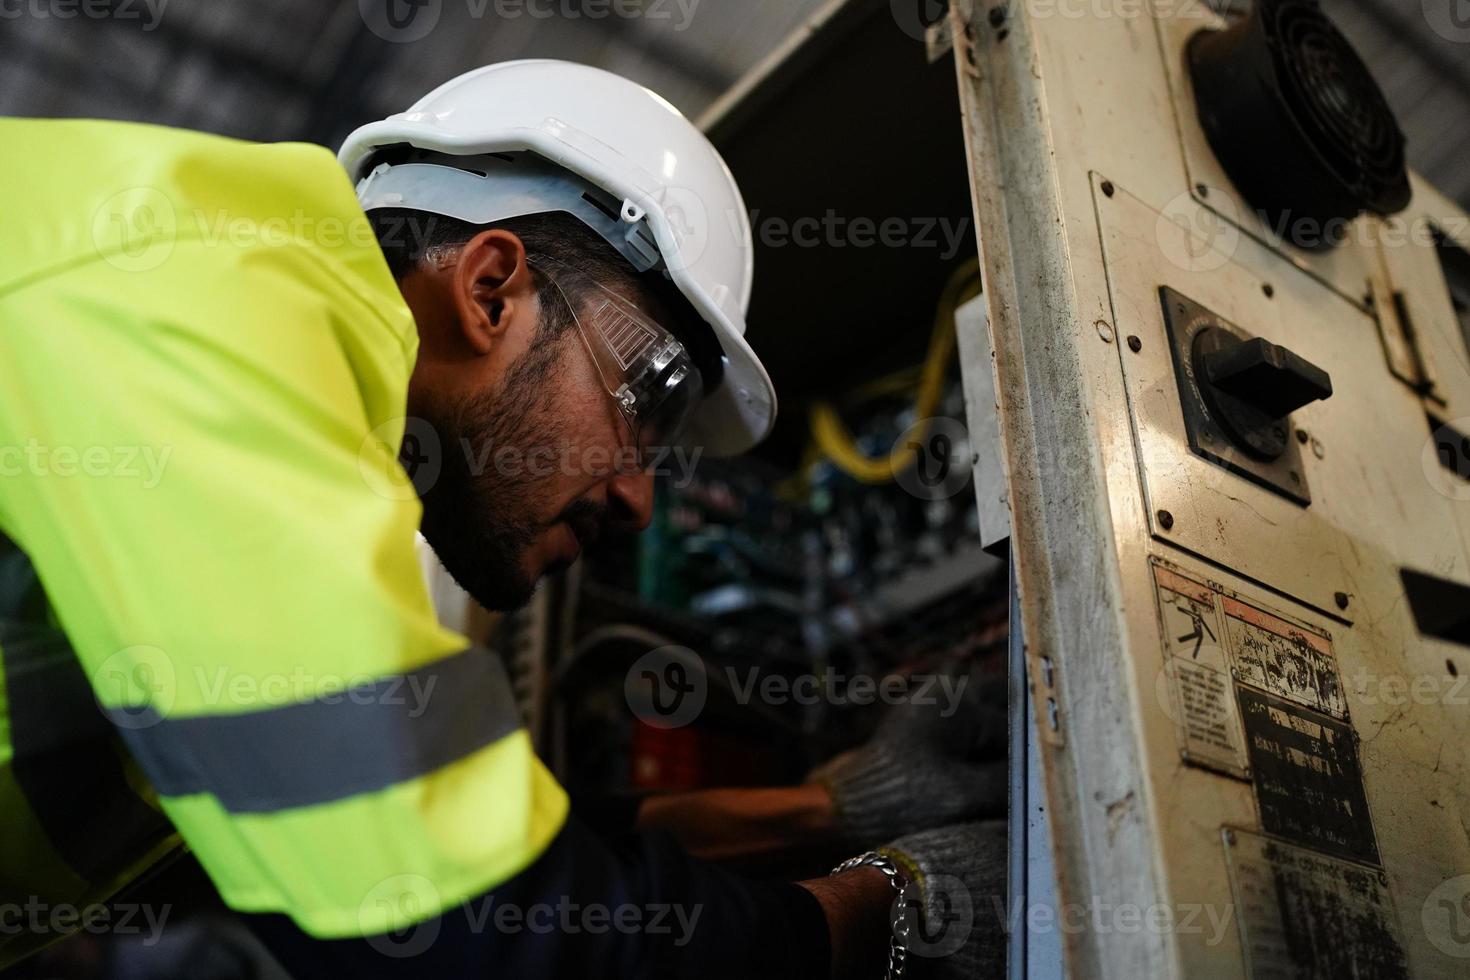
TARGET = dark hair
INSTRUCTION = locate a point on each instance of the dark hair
(406, 236)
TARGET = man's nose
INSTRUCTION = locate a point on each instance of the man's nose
(631, 497)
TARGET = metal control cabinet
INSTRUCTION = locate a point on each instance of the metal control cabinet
(1250, 715)
(1252, 711)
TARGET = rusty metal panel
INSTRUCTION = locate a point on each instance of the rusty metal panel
(1211, 658)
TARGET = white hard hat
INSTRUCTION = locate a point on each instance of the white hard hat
(556, 136)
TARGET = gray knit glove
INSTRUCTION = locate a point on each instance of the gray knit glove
(957, 877)
(931, 762)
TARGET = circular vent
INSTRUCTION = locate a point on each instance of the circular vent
(1297, 120)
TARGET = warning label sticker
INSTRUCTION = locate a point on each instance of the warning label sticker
(1292, 661)
(1304, 914)
(1196, 665)
(1216, 639)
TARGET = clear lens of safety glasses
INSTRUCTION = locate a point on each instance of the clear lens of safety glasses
(647, 372)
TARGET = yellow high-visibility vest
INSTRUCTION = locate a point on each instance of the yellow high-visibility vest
(204, 366)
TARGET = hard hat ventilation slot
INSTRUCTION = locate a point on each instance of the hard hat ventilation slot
(601, 205)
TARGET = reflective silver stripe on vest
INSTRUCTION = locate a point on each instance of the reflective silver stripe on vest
(356, 741)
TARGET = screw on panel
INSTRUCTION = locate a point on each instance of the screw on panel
(1230, 837)
(1341, 598)
(1268, 289)
(1107, 188)
(1134, 344)
(1166, 520)
(1449, 665)
(1302, 436)
(998, 15)
(1105, 331)
(1202, 190)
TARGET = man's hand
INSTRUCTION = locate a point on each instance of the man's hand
(957, 880)
(957, 884)
(930, 763)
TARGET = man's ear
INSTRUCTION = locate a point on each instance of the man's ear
(491, 287)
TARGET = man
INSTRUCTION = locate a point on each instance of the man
(211, 366)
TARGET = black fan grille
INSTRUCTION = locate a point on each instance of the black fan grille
(1333, 95)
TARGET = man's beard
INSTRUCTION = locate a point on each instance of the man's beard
(479, 516)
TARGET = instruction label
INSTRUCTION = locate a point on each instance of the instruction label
(1198, 671)
(1304, 914)
(1309, 787)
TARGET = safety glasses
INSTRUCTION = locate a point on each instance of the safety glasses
(647, 372)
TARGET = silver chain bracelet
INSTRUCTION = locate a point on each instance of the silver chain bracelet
(898, 941)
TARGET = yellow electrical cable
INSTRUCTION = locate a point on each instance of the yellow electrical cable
(831, 435)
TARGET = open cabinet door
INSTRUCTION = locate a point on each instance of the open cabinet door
(1234, 422)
